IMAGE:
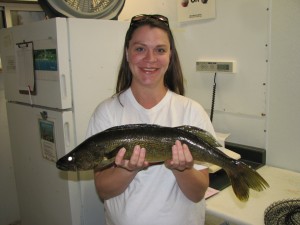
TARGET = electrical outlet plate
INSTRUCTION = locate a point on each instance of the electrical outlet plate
(216, 66)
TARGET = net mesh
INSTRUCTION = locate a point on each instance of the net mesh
(284, 212)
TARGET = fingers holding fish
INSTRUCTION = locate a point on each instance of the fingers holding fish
(136, 162)
(188, 156)
(120, 156)
(138, 158)
(181, 157)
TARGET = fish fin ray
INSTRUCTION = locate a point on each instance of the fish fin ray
(105, 164)
(200, 133)
(244, 177)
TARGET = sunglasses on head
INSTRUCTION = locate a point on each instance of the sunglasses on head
(142, 17)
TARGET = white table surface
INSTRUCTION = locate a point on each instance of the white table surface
(284, 184)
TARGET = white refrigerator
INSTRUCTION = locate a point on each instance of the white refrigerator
(55, 73)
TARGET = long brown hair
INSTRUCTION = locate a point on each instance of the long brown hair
(173, 77)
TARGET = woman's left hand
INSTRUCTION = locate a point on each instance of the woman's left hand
(182, 158)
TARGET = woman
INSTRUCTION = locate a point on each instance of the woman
(150, 90)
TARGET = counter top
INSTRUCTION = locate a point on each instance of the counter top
(284, 184)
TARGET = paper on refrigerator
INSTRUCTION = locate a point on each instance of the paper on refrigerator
(25, 68)
(190, 10)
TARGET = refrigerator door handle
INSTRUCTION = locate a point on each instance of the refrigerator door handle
(67, 134)
(64, 85)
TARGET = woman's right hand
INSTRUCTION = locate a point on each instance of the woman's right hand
(114, 181)
(136, 162)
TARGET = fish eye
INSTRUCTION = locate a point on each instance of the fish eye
(70, 158)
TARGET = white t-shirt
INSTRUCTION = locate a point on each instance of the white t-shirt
(153, 197)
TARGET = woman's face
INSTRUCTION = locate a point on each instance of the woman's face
(148, 55)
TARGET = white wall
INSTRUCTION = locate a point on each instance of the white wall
(235, 34)
(283, 130)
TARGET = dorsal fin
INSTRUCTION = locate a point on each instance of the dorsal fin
(202, 134)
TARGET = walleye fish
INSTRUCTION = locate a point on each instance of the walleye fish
(98, 152)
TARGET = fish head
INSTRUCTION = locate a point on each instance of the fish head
(67, 163)
(86, 156)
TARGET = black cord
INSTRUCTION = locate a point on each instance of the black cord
(213, 99)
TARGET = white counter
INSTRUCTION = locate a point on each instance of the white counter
(284, 184)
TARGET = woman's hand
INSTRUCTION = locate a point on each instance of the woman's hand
(193, 183)
(136, 162)
(182, 158)
(114, 181)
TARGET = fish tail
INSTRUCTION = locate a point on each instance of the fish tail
(243, 177)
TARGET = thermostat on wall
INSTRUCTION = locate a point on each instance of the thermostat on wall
(216, 66)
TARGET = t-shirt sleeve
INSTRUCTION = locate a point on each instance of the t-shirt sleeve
(101, 119)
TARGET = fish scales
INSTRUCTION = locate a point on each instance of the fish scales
(156, 143)
(144, 138)
(98, 152)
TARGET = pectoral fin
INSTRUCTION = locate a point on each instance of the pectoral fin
(105, 164)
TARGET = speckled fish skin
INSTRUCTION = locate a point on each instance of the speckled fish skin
(99, 151)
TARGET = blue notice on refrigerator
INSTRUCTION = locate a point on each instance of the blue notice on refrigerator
(45, 59)
(48, 140)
